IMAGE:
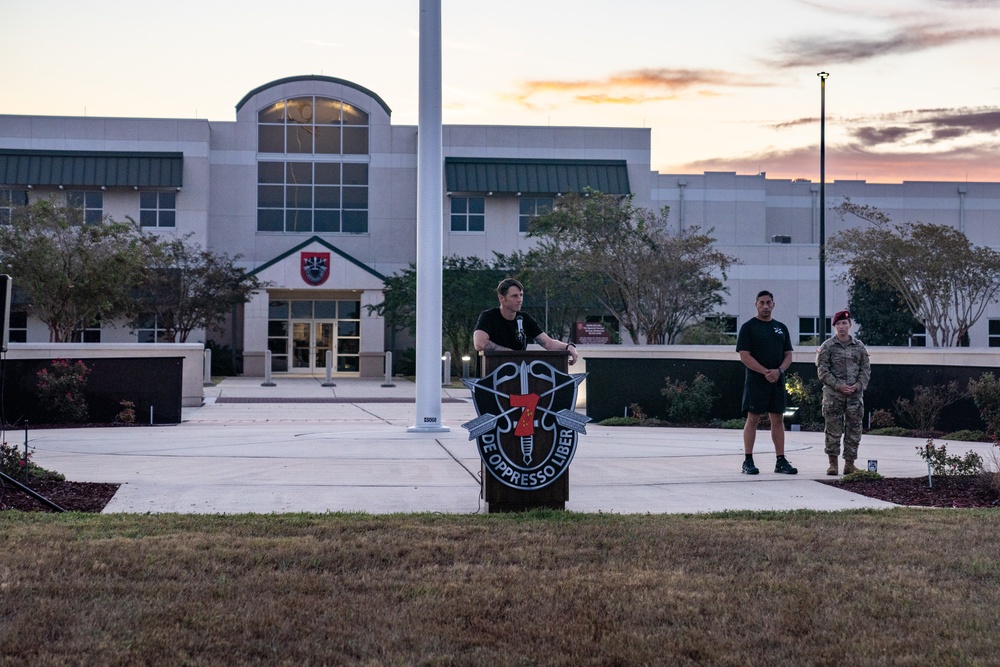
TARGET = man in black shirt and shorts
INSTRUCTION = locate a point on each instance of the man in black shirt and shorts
(507, 328)
(765, 348)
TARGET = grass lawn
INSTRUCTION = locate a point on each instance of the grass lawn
(898, 587)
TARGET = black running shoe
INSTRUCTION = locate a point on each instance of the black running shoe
(749, 468)
(784, 467)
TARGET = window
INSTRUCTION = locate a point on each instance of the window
(529, 207)
(918, 337)
(158, 209)
(18, 326)
(150, 331)
(468, 214)
(311, 197)
(312, 125)
(91, 202)
(296, 329)
(90, 334)
(993, 335)
(725, 323)
(8, 200)
(807, 331)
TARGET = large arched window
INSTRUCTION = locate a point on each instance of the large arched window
(326, 194)
(318, 125)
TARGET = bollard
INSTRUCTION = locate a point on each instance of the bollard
(25, 451)
(329, 369)
(150, 415)
(446, 370)
(465, 366)
(388, 370)
(267, 370)
(207, 371)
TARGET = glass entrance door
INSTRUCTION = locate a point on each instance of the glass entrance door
(310, 342)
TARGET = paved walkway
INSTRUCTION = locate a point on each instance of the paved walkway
(301, 447)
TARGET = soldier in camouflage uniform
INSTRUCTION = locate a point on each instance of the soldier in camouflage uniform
(844, 369)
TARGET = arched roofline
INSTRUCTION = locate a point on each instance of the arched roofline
(314, 77)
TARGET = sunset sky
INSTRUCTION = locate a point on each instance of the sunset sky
(724, 85)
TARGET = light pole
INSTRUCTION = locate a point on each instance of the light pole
(821, 324)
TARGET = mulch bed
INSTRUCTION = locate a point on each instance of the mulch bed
(956, 492)
(71, 496)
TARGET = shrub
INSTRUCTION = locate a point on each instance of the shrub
(861, 476)
(881, 419)
(737, 423)
(620, 421)
(807, 395)
(13, 461)
(127, 414)
(688, 404)
(890, 430)
(985, 393)
(923, 412)
(224, 362)
(61, 389)
(966, 435)
(942, 463)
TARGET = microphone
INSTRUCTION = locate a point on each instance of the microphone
(520, 332)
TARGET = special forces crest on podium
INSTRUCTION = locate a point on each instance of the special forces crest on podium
(526, 429)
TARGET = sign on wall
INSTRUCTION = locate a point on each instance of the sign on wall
(315, 267)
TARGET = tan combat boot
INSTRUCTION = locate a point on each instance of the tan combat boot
(849, 467)
(832, 470)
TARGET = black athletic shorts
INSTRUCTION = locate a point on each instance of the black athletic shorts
(761, 396)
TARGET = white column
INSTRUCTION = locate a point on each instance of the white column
(429, 221)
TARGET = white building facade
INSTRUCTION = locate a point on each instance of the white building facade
(315, 188)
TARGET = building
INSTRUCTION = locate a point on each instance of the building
(316, 189)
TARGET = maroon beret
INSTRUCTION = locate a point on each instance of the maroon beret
(842, 315)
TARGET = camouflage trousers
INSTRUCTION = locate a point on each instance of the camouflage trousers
(844, 416)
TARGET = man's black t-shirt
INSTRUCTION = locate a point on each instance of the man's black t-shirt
(766, 342)
(505, 332)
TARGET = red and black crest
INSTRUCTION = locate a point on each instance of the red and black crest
(315, 267)
(526, 429)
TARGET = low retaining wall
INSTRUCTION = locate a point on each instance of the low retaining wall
(165, 377)
(620, 376)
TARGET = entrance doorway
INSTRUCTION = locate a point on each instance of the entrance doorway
(301, 332)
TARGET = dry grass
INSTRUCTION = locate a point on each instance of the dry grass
(900, 587)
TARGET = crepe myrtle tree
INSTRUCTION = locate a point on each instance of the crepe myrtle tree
(944, 280)
(469, 285)
(72, 274)
(654, 280)
(187, 287)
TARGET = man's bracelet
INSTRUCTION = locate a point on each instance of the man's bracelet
(569, 345)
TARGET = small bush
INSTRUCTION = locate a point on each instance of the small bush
(620, 421)
(13, 460)
(807, 395)
(881, 419)
(891, 430)
(61, 389)
(688, 404)
(729, 423)
(922, 413)
(942, 463)
(967, 436)
(985, 394)
(127, 413)
(861, 476)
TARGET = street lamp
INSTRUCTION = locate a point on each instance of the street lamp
(821, 324)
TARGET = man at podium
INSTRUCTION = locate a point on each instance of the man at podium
(507, 328)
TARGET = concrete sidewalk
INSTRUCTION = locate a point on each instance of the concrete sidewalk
(301, 447)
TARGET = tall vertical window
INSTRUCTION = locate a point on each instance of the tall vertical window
(150, 331)
(918, 337)
(808, 333)
(18, 326)
(468, 214)
(158, 209)
(329, 197)
(530, 207)
(992, 338)
(8, 200)
(91, 202)
(89, 334)
(315, 125)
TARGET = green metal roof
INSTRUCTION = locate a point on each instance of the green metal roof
(91, 168)
(513, 175)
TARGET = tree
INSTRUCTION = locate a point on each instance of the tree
(945, 281)
(73, 274)
(655, 281)
(881, 314)
(189, 288)
(469, 286)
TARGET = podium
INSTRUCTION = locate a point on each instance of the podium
(500, 496)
